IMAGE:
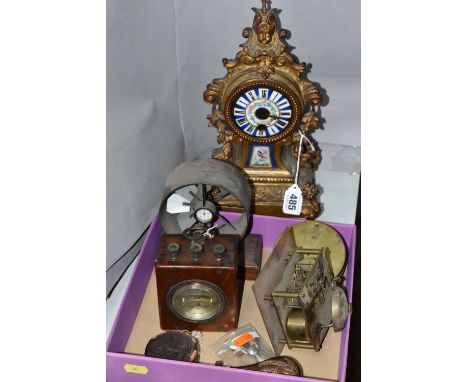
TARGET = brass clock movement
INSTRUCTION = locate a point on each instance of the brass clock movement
(260, 107)
(300, 290)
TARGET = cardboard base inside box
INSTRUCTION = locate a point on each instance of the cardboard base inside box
(323, 364)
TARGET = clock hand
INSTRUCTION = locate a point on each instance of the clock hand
(272, 117)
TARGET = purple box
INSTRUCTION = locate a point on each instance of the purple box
(123, 367)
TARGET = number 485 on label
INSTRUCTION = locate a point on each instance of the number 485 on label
(292, 202)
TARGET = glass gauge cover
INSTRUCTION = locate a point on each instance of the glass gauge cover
(195, 300)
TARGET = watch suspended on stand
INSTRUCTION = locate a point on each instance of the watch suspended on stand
(260, 107)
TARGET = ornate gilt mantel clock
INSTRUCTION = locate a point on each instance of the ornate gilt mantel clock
(259, 109)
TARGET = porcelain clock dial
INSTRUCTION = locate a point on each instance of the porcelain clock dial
(262, 113)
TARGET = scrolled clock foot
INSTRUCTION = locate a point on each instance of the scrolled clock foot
(311, 211)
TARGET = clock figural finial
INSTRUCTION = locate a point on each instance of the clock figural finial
(264, 38)
(260, 107)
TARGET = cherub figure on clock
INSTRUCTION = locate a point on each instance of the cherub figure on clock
(259, 109)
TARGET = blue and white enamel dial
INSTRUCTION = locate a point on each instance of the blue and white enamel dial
(262, 112)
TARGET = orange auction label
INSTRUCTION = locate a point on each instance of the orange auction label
(243, 339)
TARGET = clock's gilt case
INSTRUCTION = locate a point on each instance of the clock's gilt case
(259, 107)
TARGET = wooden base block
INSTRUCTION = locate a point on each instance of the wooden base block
(253, 247)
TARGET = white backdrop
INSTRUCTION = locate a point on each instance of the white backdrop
(161, 54)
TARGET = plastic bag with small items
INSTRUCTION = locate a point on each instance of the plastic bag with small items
(241, 347)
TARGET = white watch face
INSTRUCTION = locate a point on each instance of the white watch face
(204, 215)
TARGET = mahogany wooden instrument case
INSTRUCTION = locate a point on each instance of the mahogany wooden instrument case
(172, 269)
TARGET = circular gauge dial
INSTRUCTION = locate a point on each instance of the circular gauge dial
(262, 112)
(196, 300)
(204, 215)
